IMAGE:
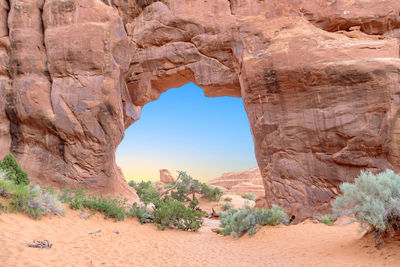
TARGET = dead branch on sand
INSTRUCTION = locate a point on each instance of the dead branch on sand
(40, 244)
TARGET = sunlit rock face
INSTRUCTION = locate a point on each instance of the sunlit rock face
(319, 81)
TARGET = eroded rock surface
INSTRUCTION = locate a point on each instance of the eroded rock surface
(166, 177)
(248, 181)
(319, 81)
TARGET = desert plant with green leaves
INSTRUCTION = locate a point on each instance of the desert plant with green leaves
(186, 187)
(327, 219)
(211, 192)
(236, 222)
(228, 199)
(249, 196)
(35, 201)
(13, 171)
(146, 192)
(374, 199)
(169, 212)
(80, 199)
(273, 216)
(141, 213)
(227, 206)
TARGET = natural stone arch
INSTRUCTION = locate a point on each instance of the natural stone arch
(74, 75)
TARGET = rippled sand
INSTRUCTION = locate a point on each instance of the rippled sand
(306, 244)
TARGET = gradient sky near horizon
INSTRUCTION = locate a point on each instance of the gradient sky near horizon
(184, 130)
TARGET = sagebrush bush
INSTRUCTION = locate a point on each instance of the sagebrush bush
(3, 175)
(169, 212)
(32, 200)
(80, 199)
(374, 199)
(274, 216)
(228, 199)
(46, 200)
(249, 196)
(237, 222)
(14, 171)
(227, 206)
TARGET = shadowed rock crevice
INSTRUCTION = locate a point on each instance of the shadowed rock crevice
(319, 81)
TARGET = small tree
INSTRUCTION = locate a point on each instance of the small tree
(169, 212)
(14, 171)
(145, 192)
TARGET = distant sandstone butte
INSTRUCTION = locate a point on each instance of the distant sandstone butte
(319, 81)
(166, 177)
(241, 182)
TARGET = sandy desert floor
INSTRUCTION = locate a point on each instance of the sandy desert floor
(305, 244)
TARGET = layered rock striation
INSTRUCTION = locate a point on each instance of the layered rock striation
(248, 181)
(319, 81)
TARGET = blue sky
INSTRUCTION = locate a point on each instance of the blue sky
(184, 130)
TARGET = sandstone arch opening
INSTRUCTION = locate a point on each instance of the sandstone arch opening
(184, 130)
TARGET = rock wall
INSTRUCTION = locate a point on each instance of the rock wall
(319, 81)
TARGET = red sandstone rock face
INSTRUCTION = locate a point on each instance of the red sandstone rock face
(230, 179)
(241, 182)
(319, 81)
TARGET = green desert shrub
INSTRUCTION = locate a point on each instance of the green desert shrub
(274, 216)
(236, 222)
(14, 171)
(32, 200)
(187, 186)
(375, 201)
(228, 199)
(3, 175)
(169, 212)
(46, 200)
(193, 204)
(141, 213)
(227, 206)
(20, 199)
(146, 192)
(79, 199)
(249, 196)
(327, 219)
(211, 192)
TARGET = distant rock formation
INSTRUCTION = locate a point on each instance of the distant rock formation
(166, 177)
(319, 81)
(241, 182)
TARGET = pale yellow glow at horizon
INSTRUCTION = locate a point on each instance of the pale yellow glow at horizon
(151, 174)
